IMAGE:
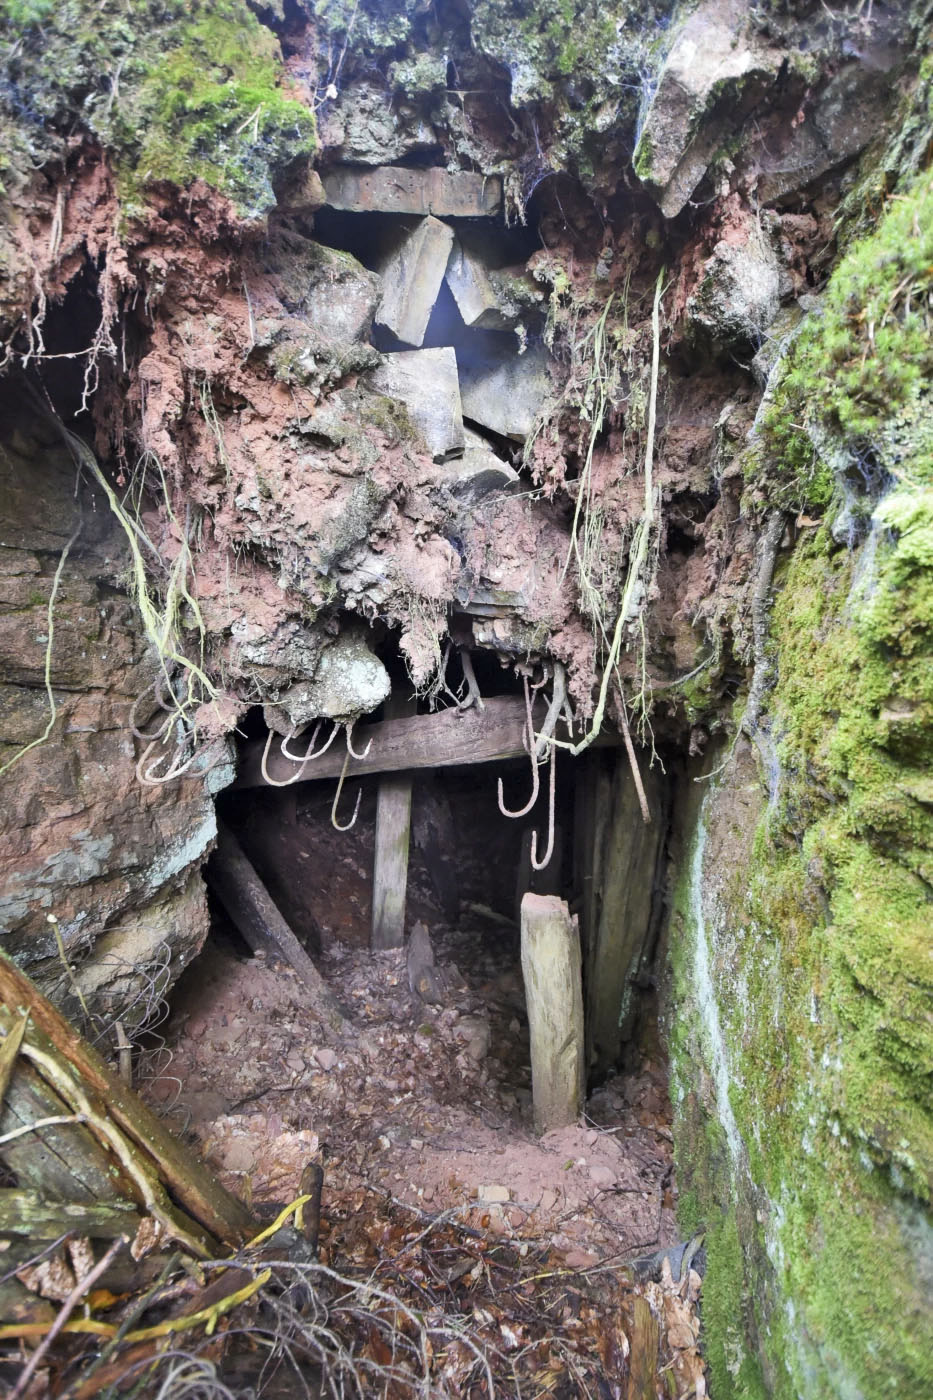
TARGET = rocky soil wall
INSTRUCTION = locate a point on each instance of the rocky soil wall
(671, 265)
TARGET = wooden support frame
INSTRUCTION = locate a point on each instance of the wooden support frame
(393, 841)
(554, 999)
(450, 738)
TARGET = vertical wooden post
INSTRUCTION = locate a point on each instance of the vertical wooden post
(393, 834)
(554, 998)
(623, 917)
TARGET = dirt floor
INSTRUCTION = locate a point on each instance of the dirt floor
(421, 1116)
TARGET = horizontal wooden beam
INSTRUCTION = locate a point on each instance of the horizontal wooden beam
(443, 740)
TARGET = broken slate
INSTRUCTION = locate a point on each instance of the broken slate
(478, 472)
(505, 393)
(411, 280)
(395, 189)
(476, 297)
(426, 382)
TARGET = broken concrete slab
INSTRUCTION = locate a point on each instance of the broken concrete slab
(478, 472)
(488, 295)
(395, 189)
(506, 392)
(473, 291)
(411, 279)
(426, 382)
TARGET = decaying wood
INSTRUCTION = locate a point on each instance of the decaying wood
(390, 865)
(443, 740)
(61, 1160)
(9, 1052)
(619, 935)
(191, 1183)
(643, 1360)
(393, 838)
(554, 1000)
(434, 833)
(27, 1213)
(232, 875)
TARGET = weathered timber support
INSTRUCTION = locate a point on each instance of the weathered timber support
(150, 1157)
(393, 838)
(434, 833)
(447, 739)
(621, 907)
(27, 1213)
(554, 999)
(232, 876)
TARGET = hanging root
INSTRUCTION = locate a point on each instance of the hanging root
(309, 757)
(558, 706)
(473, 696)
(529, 740)
(552, 790)
(333, 811)
(267, 777)
(351, 751)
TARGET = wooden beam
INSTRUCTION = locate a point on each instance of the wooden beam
(233, 877)
(443, 740)
(28, 1213)
(198, 1191)
(393, 837)
(554, 1000)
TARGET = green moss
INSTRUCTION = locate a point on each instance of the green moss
(812, 928)
(581, 60)
(174, 91)
(858, 373)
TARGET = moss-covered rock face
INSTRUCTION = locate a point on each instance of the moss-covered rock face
(586, 65)
(175, 91)
(802, 951)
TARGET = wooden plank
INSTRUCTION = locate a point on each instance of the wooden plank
(554, 1000)
(63, 1160)
(393, 838)
(643, 1359)
(434, 833)
(444, 740)
(390, 867)
(232, 875)
(592, 806)
(192, 1184)
(28, 1213)
(624, 916)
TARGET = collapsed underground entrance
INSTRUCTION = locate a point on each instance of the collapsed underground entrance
(423, 1096)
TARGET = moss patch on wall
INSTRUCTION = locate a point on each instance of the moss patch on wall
(175, 91)
(803, 975)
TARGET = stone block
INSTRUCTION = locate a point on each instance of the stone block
(473, 291)
(710, 55)
(478, 472)
(395, 189)
(426, 382)
(341, 300)
(505, 392)
(411, 279)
